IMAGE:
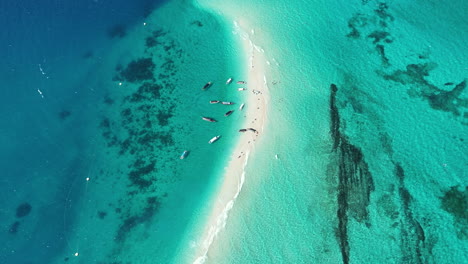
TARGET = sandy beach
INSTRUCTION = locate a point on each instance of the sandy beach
(254, 112)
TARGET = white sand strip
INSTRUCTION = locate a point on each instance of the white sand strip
(233, 179)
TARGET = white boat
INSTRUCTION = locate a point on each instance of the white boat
(241, 82)
(207, 85)
(213, 139)
(184, 154)
(227, 103)
(209, 119)
(229, 81)
(241, 107)
(241, 89)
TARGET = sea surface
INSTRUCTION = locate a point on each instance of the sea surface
(367, 117)
(98, 101)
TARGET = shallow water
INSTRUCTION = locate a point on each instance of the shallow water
(376, 164)
(367, 117)
(95, 115)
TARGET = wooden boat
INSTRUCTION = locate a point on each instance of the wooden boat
(241, 89)
(184, 154)
(251, 129)
(227, 103)
(241, 107)
(207, 85)
(209, 119)
(213, 139)
(228, 113)
(241, 82)
(214, 101)
(242, 130)
(229, 81)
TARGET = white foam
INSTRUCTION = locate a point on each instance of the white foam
(221, 220)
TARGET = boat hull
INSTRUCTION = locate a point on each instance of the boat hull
(213, 140)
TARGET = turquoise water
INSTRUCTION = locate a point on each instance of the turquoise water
(374, 172)
(146, 198)
(93, 125)
(367, 115)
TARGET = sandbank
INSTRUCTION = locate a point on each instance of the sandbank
(254, 112)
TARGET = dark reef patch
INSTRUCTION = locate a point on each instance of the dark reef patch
(334, 117)
(88, 54)
(139, 126)
(455, 202)
(102, 214)
(146, 215)
(116, 31)
(197, 23)
(378, 36)
(155, 39)
(163, 117)
(64, 114)
(23, 210)
(13, 229)
(355, 182)
(108, 100)
(414, 74)
(354, 23)
(381, 51)
(438, 99)
(449, 101)
(137, 71)
(140, 175)
(383, 14)
(413, 239)
(146, 91)
(376, 26)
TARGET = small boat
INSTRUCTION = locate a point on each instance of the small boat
(208, 119)
(241, 89)
(213, 139)
(214, 101)
(241, 82)
(241, 107)
(242, 130)
(228, 113)
(227, 103)
(251, 129)
(207, 85)
(184, 154)
(229, 81)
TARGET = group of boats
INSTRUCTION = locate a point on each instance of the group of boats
(228, 113)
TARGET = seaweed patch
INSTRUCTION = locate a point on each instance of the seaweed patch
(23, 210)
(355, 182)
(137, 71)
(197, 23)
(455, 202)
(413, 239)
(13, 229)
(64, 114)
(117, 31)
(439, 99)
(146, 215)
(155, 39)
(139, 125)
(376, 24)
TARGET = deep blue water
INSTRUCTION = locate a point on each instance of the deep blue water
(46, 46)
